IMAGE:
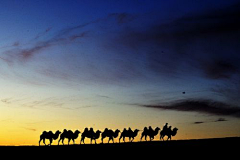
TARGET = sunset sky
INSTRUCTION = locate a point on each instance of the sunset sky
(119, 64)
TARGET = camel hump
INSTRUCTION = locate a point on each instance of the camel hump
(85, 130)
(106, 130)
(91, 130)
(70, 132)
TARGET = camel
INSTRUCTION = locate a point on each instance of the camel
(49, 135)
(149, 132)
(110, 134)
(168, 132)
(69, 135)
(128, 133)
(90, 134)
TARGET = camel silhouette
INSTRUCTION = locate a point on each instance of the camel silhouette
(49, 135)
(168, 132)
(69, 135)
(90, 134)
(128, 133)
(149, 132)
(110, 134)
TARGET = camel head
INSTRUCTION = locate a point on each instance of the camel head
(77, 132)
(98, 132)
(57, 132)
(174, 131)
(117, 131)
(136, 131)
(157, 129)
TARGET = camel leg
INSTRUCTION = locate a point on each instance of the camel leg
(168, 138)
(145, 137)
(162, 137)
(40, 141)
(59, 141)
(63, 141)
(102, 140)
(73, 141)
(69, 140)
(44, 141)
(120, 139)
(132, 139)
(82, 140)
(50, 140)
(110, 138)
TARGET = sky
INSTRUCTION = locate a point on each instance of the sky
(119, 64)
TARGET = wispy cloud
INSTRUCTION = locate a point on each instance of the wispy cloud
(39, 35)
(30, 129)
(218, 120)
(26, 51)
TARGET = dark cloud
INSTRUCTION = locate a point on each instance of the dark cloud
(205, 42)
(200, 122)
(201, 106)
(218, 120)
(220, 70)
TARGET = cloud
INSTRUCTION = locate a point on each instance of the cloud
(27, 51)
(200, 122)
(144, 46)
(204, 42)
(210, 107)
(39, 35)
(218, 120)
(220, 70)
(30, 129)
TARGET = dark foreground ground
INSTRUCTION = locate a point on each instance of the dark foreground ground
(216, 147)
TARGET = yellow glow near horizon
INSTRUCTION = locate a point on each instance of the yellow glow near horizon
(24, 117)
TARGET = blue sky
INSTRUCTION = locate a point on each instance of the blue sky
(120, 57)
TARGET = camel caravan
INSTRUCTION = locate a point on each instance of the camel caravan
(107, 133)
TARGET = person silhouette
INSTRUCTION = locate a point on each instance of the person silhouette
(165, 127)
(169, 129)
